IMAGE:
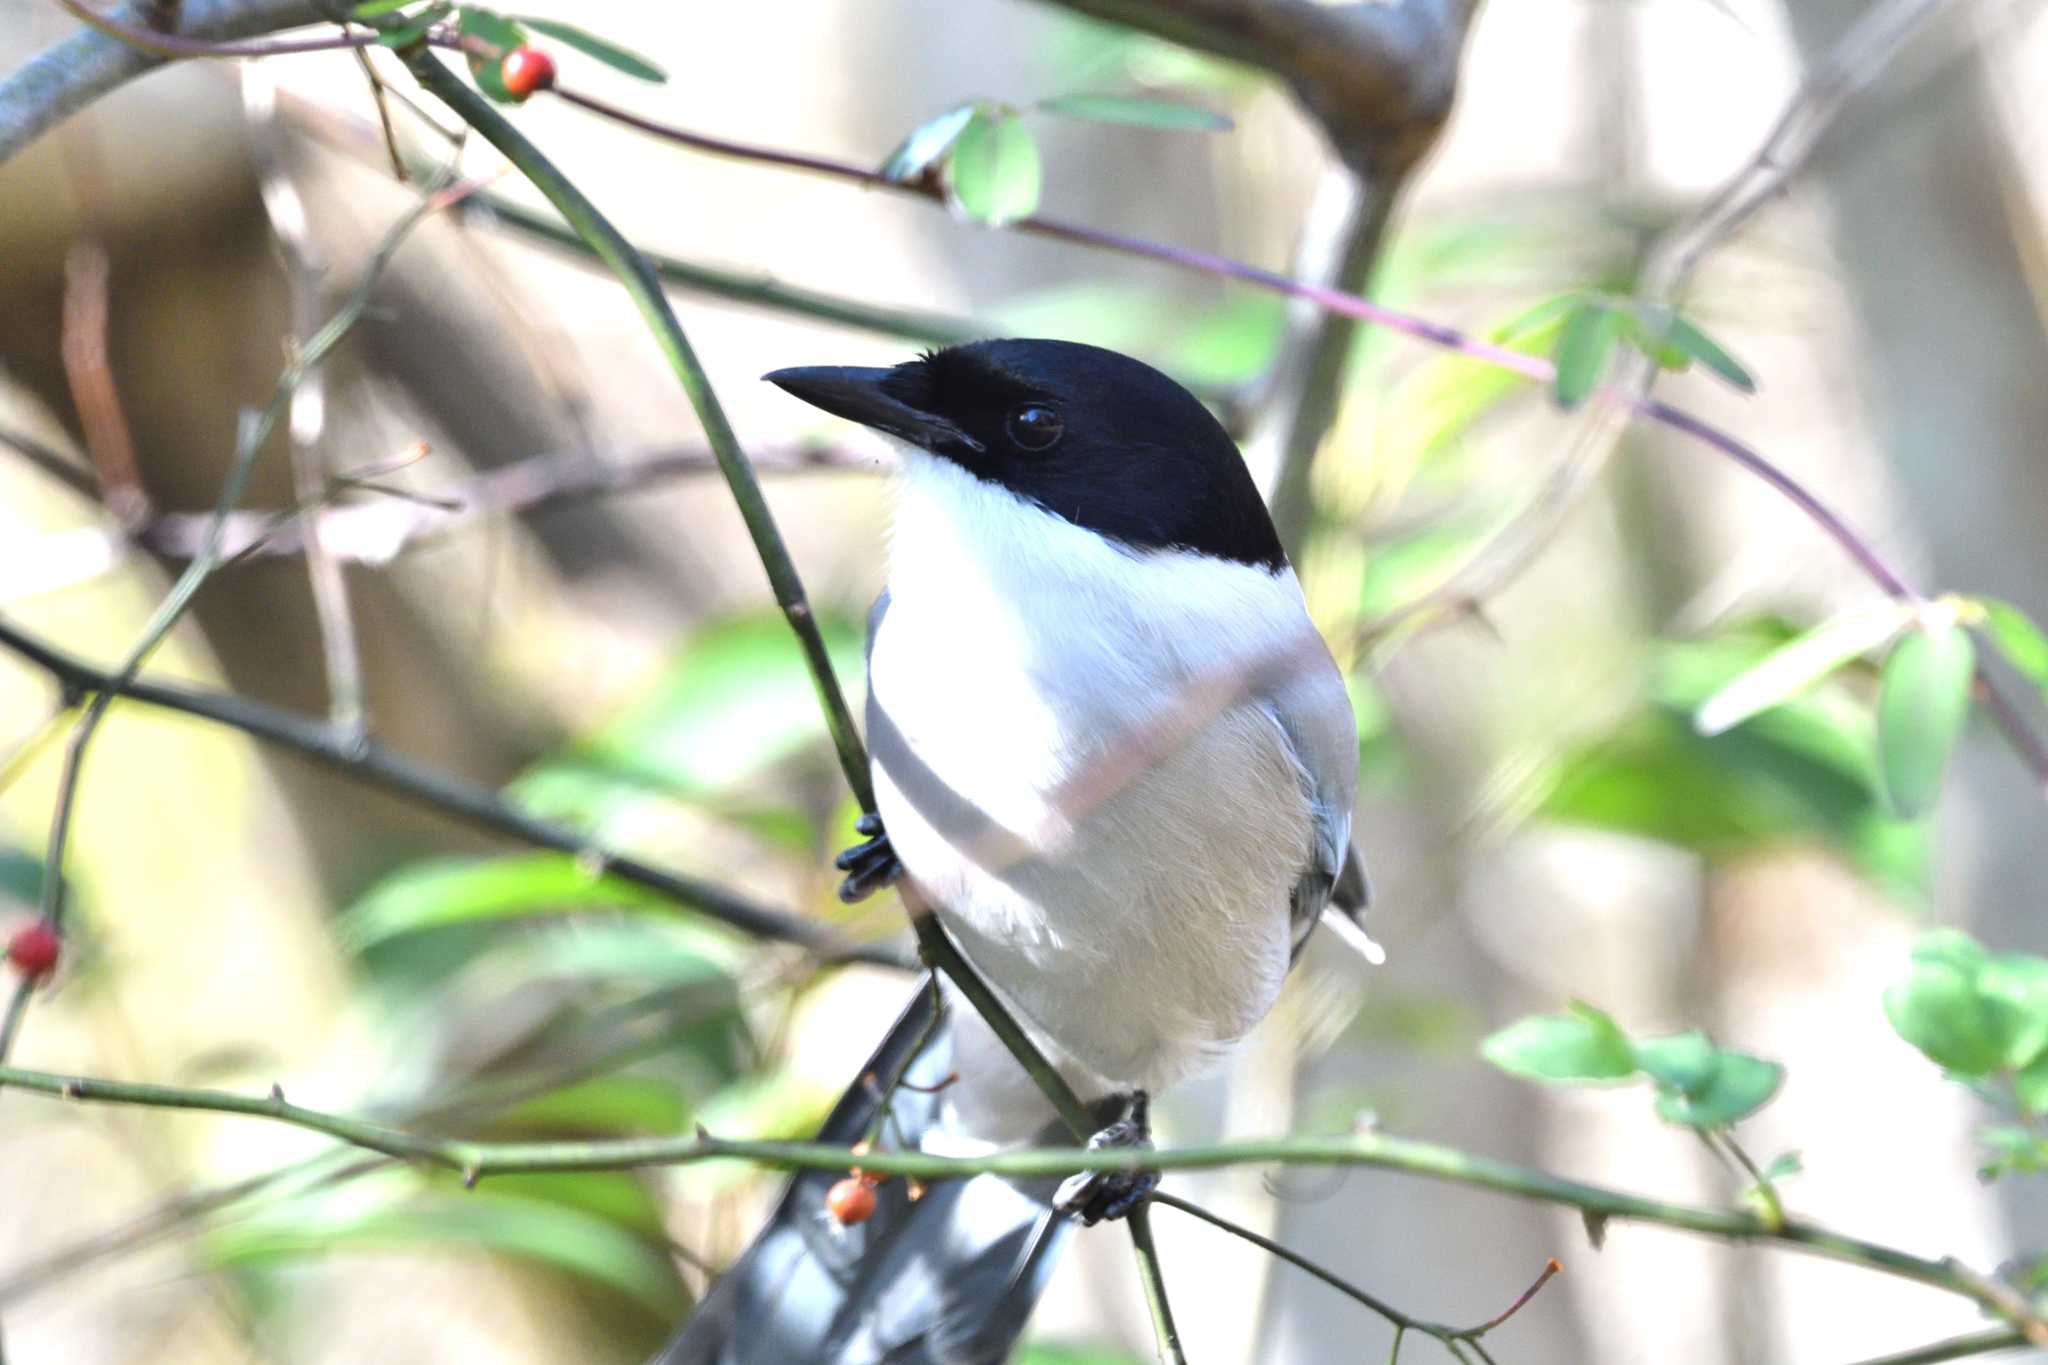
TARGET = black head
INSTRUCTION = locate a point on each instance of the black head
(1105, 441)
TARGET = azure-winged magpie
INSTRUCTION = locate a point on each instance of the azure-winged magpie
(1110, 747)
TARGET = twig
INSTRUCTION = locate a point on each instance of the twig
(1154, 1280)
(306, 272)
(1403, 1323)
(1955, 1348)
(172, 47)
(376, 532)
(645, 290)
(1307, 407)
(1551, 1268)
(93, 391)
(1369, 1149)
(255, 431)
(370, 763)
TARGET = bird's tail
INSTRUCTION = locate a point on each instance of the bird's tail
(948, 1277)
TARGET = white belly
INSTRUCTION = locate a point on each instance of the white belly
(1134, 914)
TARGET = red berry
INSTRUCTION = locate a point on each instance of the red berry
(34, 950)
(851, 1201)
(525, 70)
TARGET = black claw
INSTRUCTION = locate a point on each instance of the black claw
(1095, 1196)
(869, 866)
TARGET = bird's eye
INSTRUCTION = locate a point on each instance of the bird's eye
(1035, 426)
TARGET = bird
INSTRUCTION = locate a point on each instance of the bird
(1112, 753)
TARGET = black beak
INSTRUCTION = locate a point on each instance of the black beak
(856, 393)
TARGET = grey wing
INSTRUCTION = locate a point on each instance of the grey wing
(1314, 712)
(875, 615)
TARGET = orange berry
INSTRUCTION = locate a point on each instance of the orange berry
(851, 1201)
(525, 70)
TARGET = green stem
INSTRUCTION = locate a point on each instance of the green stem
(1955, 1348)
(1163, 1329)
(644, 289)
(745, 287)
(1426, 1159)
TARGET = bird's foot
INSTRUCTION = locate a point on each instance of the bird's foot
(1093, 1196)
(870, 866)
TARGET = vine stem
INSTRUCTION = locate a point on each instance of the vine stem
(641, 283)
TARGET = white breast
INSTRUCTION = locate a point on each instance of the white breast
(1122, 879)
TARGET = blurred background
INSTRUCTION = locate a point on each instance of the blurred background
(1542, 821)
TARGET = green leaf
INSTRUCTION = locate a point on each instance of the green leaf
(2016, 636)
(1802, 771)
(1583, 349)
(1139, 110)
(994, 173)
(1797, 665)
(372, 9)
(1738, 1085)
(21, 878)
(441, 892)
(501, 33)
(1939, 1010)
(1583, 1045)
(1688, 338)
(605, 50)
(928, 142)
(1921, 705)
(1784, 1166)
(1685, 1062)
(1648, 330)
(2030, 1087)
(2019, 1151)
(1951, 948)
(2016, 985)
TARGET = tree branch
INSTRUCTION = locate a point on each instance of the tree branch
(79, 69)
(1379, 75)
(371, 763)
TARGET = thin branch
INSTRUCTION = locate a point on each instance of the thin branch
(94, 394)
(370, 763)
(77, 70)
(255, 432)
(172, 47)
(1154, 1280)
(1367, 1149)
(644, 288)
(379, 530)
(1403, 1323)
(1955, 1348)
(1310, 393)
(306, 273)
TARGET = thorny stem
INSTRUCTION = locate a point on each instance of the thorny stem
(1426, 1159)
